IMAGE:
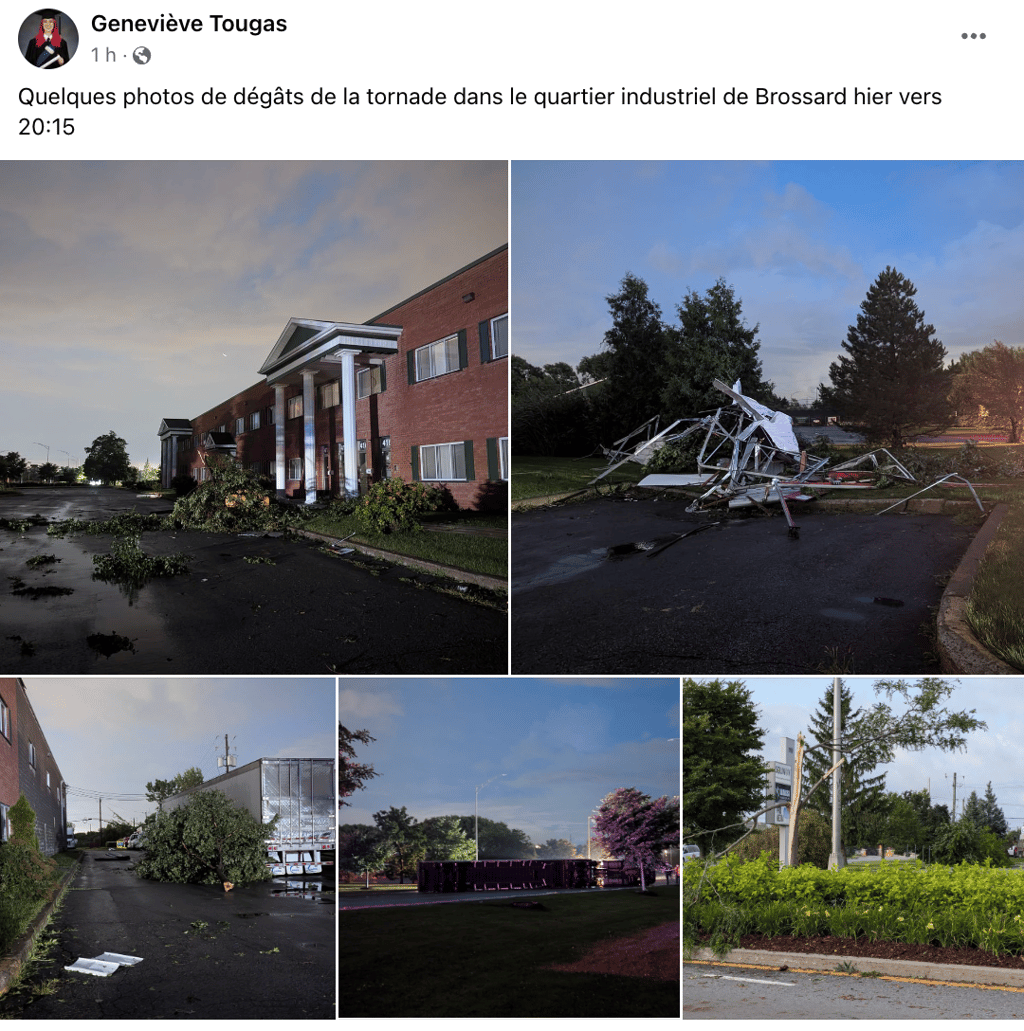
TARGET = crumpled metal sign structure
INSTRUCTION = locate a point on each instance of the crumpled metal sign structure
(751, 456)
(104, 964)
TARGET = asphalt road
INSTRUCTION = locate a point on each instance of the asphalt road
(743, 993)
(852, 593)
(272, 605)
(379, 899)
(244, 954)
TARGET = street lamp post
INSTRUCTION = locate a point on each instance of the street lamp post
(476, 812)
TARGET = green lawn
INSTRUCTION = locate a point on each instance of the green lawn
(485, 959)
(534, 477)
(473, 553)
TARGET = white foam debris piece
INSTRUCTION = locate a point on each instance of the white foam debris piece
(93, 966)
(117, 957)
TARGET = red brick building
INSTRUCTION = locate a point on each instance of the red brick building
(419, 391)
(28, 767)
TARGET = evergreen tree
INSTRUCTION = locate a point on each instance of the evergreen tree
(992, 814)
(893, 384)
(723, 772)
(635, 347)
(973, 810)
(861, 793)
(711, 342)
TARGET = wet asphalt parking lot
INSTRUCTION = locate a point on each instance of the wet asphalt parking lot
(263, 604)
(206, 953)
(852, 593)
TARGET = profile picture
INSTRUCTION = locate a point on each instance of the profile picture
(48, 38)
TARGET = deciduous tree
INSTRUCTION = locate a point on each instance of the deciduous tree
(893, 385)
(445, 839)
(723, 772)
(206, 840)
(405, 840)
(351, 775)
(636, 827)
(159, 790)
(107, 458)
(992, 380)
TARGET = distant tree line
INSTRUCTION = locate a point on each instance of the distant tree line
(891, 384)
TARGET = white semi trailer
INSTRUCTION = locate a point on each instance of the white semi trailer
(301, 793)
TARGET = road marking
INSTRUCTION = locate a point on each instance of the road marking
(752, 980)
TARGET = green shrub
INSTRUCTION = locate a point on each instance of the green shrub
(26, 876)
(207, 840)
(679, 456)
(127, 563)
(393, 505)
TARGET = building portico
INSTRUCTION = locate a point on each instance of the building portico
(308, 348)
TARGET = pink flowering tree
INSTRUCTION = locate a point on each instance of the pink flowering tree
(634, 826)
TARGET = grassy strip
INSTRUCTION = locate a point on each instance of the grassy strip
(485, 959)
(534, 477)
(487, 555)
(995, 609)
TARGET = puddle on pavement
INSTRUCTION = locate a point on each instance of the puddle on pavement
(66, 621)
(314, 891)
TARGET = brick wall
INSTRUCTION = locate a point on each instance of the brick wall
(470, 404)
(35, 763)
(9, 744)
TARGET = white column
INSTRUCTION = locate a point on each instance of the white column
(309, 434)
(280, 464)
(350, 488)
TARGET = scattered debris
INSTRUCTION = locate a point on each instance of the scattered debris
(103, 965)
(109, 644)
(751, 457)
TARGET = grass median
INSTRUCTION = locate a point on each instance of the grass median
(487, 958)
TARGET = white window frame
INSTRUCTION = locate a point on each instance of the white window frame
(494, 337)
(254, 420)
(294, 464)
(294, 407)
(503, 456)
(5, 824)
(239, 426)
(328, 395)
(369, 375)
(5, 719)
(445, 459)
(32, 755)
(433, 360)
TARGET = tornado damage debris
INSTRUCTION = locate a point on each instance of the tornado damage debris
(751, 456)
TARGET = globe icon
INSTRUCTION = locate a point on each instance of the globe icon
(141, 55)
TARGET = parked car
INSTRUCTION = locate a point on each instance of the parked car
(72, 842)
(137, 840)
(1014, 851)
(690, 852)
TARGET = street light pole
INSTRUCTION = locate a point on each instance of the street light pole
(476, 812)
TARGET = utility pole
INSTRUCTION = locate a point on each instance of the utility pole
(228, 760)
(101, 819)
(836, 860)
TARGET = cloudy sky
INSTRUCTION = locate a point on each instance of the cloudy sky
(112, 736)
(130, 292)
(786, 705)
(801, 243)
(562, 745)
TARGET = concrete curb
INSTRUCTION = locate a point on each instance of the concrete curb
(10, 966)
(491, 583)
(959, 650)
(800, 962)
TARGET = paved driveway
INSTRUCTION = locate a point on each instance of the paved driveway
(853, 593)
(244, 954)
(249, 605)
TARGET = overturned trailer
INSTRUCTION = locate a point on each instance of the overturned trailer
(751, 456)
(452, 875)
(300, 793)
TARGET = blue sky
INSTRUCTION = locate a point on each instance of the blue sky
(786, 705)
(112, 736)
(135, 291)
(800, 242)
(562, 745)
